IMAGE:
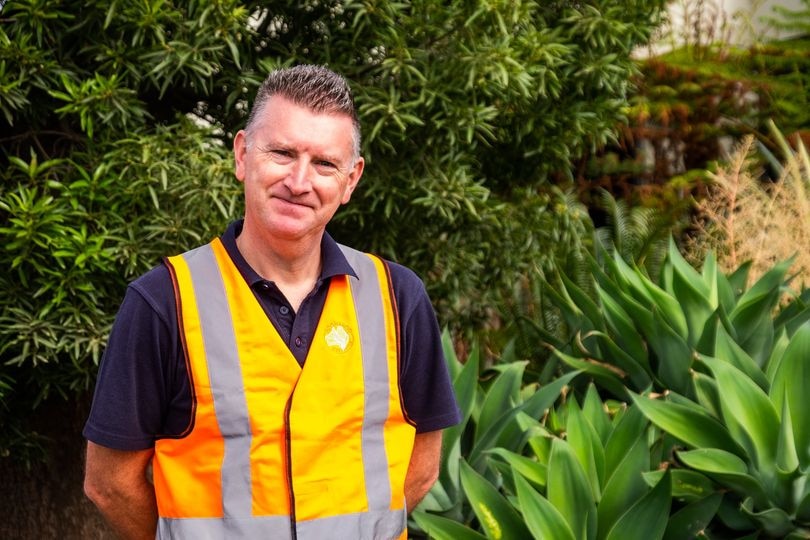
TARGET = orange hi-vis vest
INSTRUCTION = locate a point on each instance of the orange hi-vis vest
(278, 450)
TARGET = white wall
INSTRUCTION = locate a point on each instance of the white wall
(738, 22)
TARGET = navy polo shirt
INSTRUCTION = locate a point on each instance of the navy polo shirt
(143, 390)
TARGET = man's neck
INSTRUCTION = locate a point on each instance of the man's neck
(294, 266)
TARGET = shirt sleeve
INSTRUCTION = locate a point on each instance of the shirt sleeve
(142, 390)
(427, 392)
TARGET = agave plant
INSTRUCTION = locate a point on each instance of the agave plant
(731, 364)
(530, 462)
(747, 434)
(640, 334)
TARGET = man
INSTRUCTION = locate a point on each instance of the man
(279, 385)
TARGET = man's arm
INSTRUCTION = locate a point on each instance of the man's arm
(424, 467)
(116, 482)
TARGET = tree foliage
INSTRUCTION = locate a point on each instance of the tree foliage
(117, 119)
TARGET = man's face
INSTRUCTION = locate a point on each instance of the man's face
(297, 167)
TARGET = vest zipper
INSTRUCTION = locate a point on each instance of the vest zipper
(288, 442)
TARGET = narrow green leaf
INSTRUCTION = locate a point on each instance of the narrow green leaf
(727, 469)
(687, 484)
(569, 492)
(497, 517)
(727, 349)
(693, 518)
(625, 487)
(543, 520)
(441, 528)
(528, 468)
(501, 396)
(789, 384)
(596, 413)
(632, 426)
(693, 425)
(647, 519)
(747, 412)
(775, 521)
(586, 445)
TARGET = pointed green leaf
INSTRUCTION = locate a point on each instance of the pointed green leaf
(609, 377)
(569, 492)
(544, 521)
(623, 328)
(775, 521)
(692, 425)
(639, 374)
(497, 517)
(693, 518)
(596, 413)
(587, 447)
(747, 411)
(687, 484)
(441, 528)
(583, 302)
(632, 426)
(530, 469)
(501, 396)
(790, 382)
(727, 349)
(727, 469)
(647, 519)
(625, 487)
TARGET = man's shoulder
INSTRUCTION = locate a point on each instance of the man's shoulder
(156, 289)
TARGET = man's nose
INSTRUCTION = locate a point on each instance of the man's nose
(298, 177)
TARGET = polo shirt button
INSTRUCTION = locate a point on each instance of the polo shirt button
(299, 341)
(284, 310)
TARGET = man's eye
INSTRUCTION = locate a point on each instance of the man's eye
(325, 164)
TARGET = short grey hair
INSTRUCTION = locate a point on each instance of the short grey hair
(317, 88)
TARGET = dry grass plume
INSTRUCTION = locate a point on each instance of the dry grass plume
(745, 218)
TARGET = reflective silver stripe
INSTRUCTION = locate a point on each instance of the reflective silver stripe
(371, 322)
(275, 527)
(379, 525)
(225, 374)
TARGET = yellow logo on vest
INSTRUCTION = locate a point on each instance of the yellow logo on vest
(338, 337)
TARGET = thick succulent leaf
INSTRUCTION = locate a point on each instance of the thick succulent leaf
(706, 393)
(584, 302)
(501, 396)
(622, 326)
(586, 445)
(780, 345)
(543, 520)
(693, 425)
(774, 521)
(709, 274)
(530, 469)
(441, 528)
(693, 518)
(687, 485)
(632, 426)
(638, 372)
(693, 293)
(747, 411)
(569, 492)
(674, 355)
(751, 316)
(727, 349)
(508, 433)
(609, 377)
(668, 306)
(727, 469)
(625, 487)
(647, 519)
(596, 413)
(787, 459)
(497, 517)
(789, 384)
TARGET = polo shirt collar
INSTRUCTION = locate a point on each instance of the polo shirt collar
(333, 261)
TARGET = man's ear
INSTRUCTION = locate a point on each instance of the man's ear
(239, 151)
(353, 179)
